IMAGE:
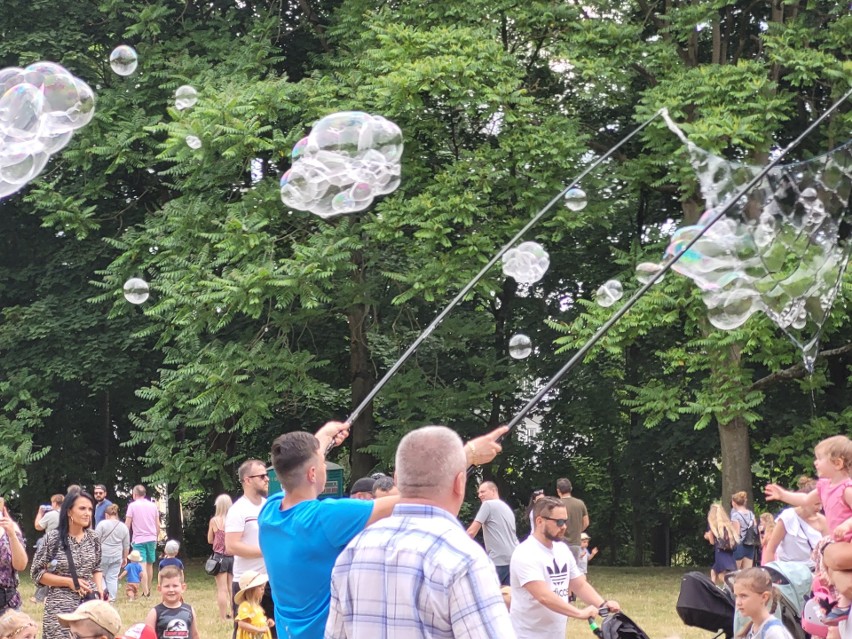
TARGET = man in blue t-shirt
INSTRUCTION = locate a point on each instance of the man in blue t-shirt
(301, 537)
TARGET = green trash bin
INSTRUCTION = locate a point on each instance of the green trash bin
(333, 481)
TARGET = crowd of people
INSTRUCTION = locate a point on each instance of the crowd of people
(393, 559)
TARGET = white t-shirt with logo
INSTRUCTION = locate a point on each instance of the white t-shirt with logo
(556, 567)
(242, 518)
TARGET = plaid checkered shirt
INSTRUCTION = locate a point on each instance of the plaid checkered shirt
(416, 575)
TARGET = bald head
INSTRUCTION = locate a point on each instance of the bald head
(428, 461)
(488, 490)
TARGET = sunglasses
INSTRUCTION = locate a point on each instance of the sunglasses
(559, 522)
(263, 476)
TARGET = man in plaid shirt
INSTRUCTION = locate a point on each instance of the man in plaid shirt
(417, 573)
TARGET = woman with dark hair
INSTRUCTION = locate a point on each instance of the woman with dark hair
(69, 563)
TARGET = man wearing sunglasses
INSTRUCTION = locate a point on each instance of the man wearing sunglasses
(544, 574)
(241, 529)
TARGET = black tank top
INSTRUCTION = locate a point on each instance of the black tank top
(174, 623)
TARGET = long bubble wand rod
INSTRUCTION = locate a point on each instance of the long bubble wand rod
(478, 277)
(604, 329)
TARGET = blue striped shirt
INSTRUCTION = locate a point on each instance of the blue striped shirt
(416, 575)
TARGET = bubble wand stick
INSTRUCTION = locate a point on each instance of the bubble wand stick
(478, 277)
(604, 329)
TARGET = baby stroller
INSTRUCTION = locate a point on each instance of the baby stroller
(702, 604)
(792, 579)
(617, 625)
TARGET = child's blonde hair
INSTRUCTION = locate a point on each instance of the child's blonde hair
(837, 447)
(758, 581)
(13, 622)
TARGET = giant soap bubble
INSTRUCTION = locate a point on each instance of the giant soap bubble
(40, 108)
(781, 249)
(526, 263)
(136, 290)
(347, 160)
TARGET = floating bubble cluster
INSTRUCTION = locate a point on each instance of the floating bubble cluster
(526, 263)
(185, 97)
(123, 60)
(40, 108)
(347, 160)
(520, 346)
(609, 293)
(575, 199)
(193, 142)
(781, 249)
(136, 290)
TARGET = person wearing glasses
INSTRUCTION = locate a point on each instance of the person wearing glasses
(101, 503)
(92, 620)
(143, 521)
(241, 531)
(544, 574)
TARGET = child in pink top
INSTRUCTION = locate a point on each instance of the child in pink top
(833, 461)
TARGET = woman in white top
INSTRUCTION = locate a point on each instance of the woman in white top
(797, 531)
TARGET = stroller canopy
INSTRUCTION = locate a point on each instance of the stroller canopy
(701, 604)
(617, 625)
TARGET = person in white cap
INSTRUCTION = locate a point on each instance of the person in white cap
(252, 622)
(586, 555)
(95, 619)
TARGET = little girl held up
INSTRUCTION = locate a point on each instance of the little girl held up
(251, 620)
(755, 598)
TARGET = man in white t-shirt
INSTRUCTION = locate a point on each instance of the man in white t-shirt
(241, 530)
(544, 573)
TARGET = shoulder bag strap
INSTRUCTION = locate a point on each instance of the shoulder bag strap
(110, 532)
(72, 568)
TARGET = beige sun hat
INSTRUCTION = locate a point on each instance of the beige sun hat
(134, 556)
(100, 612)
(248, 580)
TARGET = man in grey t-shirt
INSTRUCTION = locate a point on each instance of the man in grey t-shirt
(497, 522)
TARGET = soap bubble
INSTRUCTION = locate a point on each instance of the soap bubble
(781, 249)
(526, 263)
(185, 97)
(520, 346)
(40, 108)
(575, 199)
(346, 161)
(609, 293)
(136, 290)
(646, 270)
(193, 142)
(123, 60)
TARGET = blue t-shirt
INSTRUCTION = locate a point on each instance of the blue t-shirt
(300, 546)
(170, 561)
(134, 572)
(100, 510)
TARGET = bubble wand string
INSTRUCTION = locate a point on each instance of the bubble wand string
(478, 277)
(604, 329)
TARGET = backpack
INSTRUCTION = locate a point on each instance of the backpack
(751, 537)
(725, 542)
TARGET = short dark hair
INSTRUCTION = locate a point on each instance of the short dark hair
(100, 487)
(290, 452)
(563, 485)
(384, 483)
(546, 505)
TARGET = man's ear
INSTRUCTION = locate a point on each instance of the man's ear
(459, 483)
(312, 474)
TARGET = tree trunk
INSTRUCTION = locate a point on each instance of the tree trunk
(363, 379)
(174, 516)
(736, 460)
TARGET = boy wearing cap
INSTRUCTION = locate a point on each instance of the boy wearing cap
(94, 619)
(133, 572)
(172, 618)
(585, 554)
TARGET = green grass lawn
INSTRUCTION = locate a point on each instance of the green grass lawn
(647, 595)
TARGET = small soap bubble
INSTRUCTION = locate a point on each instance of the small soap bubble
(136, 290)
(123, 60)
(520, 346)
(185, 97)
(609, 293)
(575, 199)
(193, 142)
(646, 270)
